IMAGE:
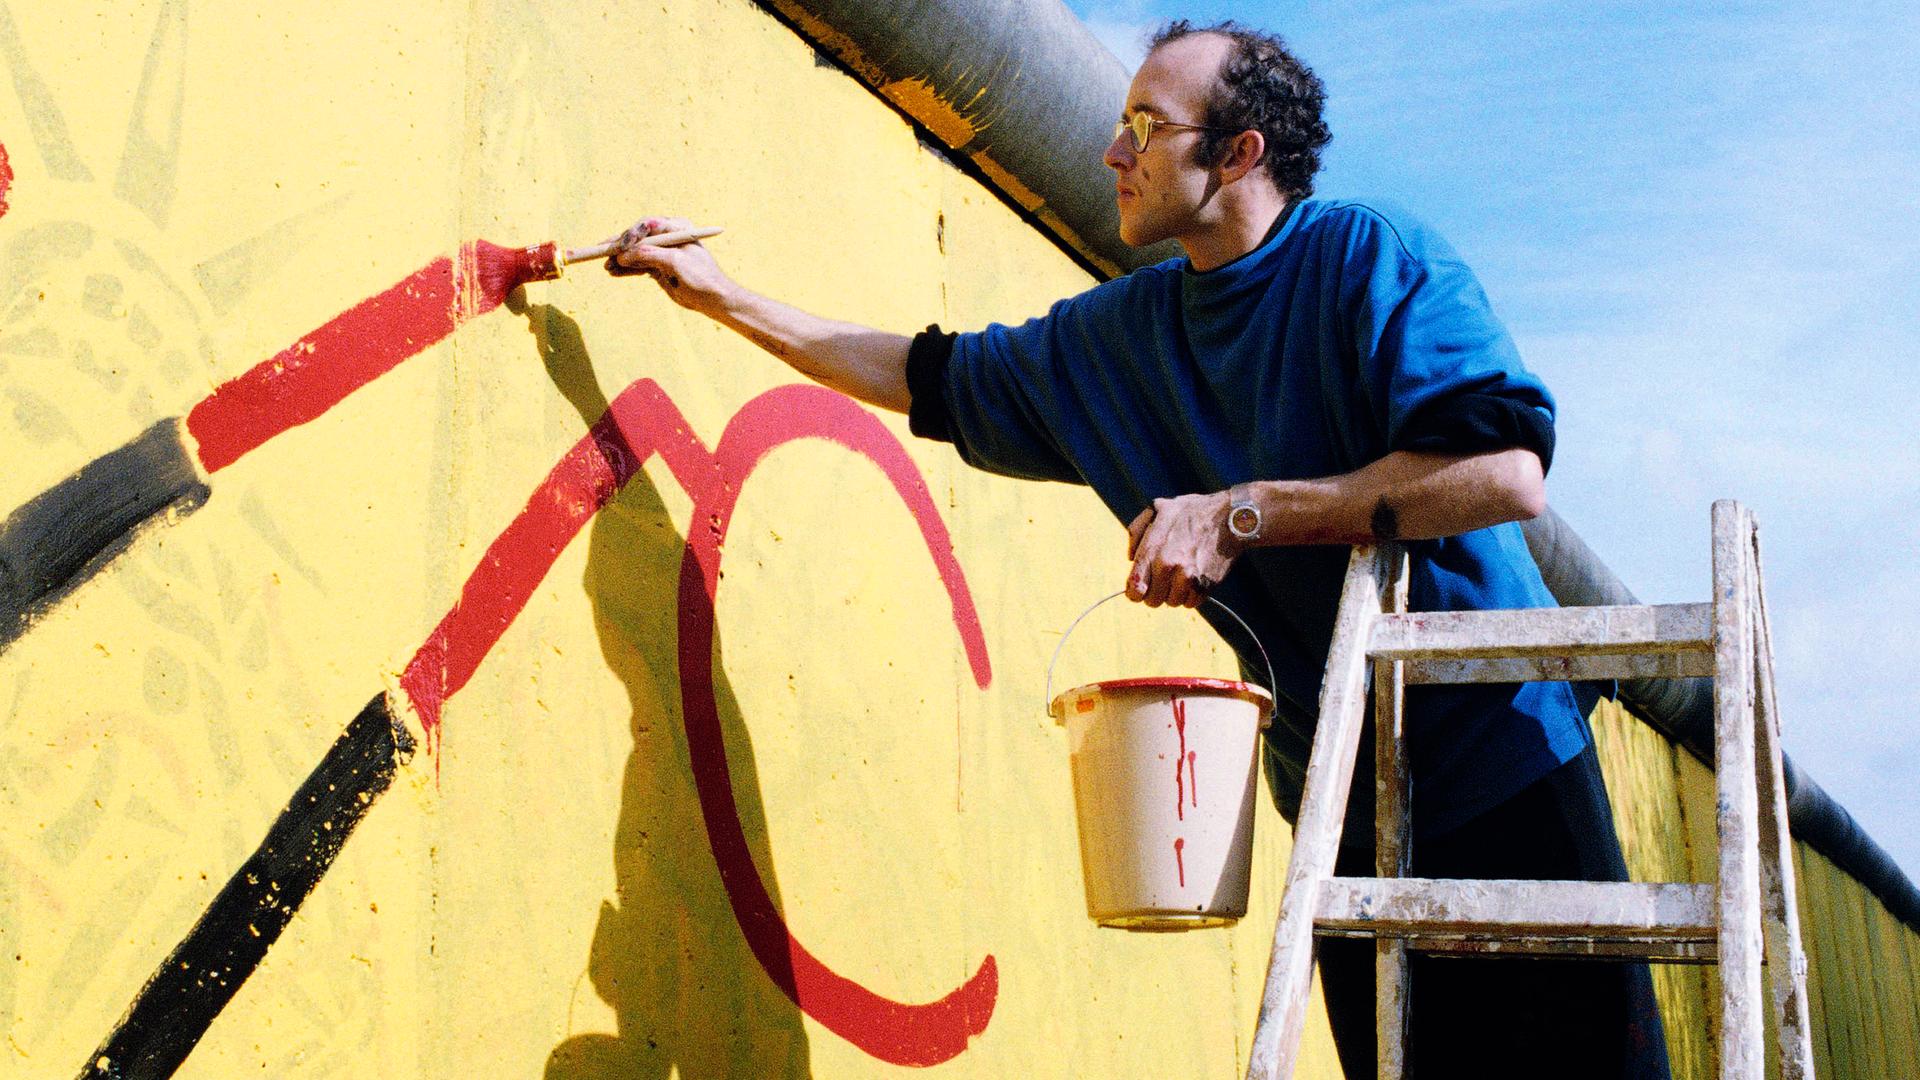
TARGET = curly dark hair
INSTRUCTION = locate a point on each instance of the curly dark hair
(1262, 88)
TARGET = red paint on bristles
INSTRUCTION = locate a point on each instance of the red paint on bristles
(359, 345)
(490, 272)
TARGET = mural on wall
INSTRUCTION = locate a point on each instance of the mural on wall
(69, 533)
(838, 844)
(325, 516)
(194, 983)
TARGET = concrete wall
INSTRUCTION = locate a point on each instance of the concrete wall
(1863, 981)
(199, 188)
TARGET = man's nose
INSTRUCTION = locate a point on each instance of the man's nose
(1119, 156)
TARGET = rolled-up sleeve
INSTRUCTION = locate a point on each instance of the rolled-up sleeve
(985, 393)
(1438, 369)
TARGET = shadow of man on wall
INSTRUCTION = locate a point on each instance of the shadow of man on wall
(668, 955)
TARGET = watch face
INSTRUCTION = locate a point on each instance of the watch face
(1244, 521)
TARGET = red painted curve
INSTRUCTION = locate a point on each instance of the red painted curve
(6, 179)
(640, 421)
(892, 1031)
(359, 345)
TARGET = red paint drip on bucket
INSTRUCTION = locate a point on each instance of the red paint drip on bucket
(1179, 861)
(1180, 760)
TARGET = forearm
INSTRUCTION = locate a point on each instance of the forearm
(858, 361)
(1406, 495)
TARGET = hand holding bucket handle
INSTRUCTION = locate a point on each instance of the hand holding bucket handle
(1059, 715)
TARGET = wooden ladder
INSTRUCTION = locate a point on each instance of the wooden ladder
(1749, 911)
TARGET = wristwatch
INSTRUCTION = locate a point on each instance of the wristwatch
(1243, 514)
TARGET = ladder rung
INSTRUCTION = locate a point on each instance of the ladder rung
(1511, 669)
(1575, 631)
(1540, 910)
(1664, 950)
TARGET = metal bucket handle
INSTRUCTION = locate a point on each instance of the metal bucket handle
(1057, 649)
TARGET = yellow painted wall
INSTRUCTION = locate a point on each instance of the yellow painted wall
(540, 898)
(1863, 983)
(198, 184)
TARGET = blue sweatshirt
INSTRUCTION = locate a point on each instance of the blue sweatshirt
(1350, 332)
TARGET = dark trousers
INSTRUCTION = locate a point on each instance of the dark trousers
(1510, 1016)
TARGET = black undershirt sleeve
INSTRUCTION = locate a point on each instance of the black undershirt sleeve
(1474, 423)
(927, 358)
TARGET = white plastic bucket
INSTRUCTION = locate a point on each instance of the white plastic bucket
(1164, 779)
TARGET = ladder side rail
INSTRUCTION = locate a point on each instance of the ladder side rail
(1742, 1030)
(1392, 838)
(1323, 803)
(1786, 960)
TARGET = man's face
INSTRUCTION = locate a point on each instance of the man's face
(1161, 191)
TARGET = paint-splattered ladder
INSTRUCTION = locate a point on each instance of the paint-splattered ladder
(1749, 913)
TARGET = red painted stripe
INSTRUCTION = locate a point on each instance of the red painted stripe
(6, 179)
(643, 419)
(359, 345)
(518, 559)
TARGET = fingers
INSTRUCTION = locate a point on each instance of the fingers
(1142, 548)
(1151, 580)
(1158, 583)
(1138, 529)
(1170, 564)
(633, 257)
(636, 258)
(642, 257)
(651, 226)
(1177, 587)
(1198, 586)
(1145, 536)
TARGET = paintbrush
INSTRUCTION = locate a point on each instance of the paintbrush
(68, 533)
(493, 271)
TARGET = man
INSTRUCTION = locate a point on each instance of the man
(1312, 375)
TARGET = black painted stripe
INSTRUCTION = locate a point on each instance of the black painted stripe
(206, 969)
(64, 535)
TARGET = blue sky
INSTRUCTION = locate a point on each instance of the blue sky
(1702, 225)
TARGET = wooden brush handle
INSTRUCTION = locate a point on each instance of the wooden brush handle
(665, 239)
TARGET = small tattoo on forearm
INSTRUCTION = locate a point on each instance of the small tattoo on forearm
(1386, 523)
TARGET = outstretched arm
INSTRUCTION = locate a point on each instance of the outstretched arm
(1181, 547)
(861, 362)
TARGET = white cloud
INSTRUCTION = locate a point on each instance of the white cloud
(1123, 26)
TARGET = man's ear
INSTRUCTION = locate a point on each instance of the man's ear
(1243, 156)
